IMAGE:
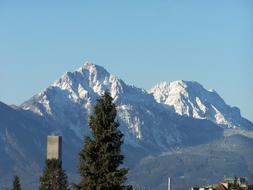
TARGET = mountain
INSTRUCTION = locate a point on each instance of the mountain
(150, 127)
(69, 101)
(193, 100)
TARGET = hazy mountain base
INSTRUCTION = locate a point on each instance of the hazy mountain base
(191, 166)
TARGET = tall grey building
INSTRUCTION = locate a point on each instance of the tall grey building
(54, 147)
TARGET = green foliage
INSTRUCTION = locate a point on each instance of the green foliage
(54, 177)
(16, 183)
(100, 158)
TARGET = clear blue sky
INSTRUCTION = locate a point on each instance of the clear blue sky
(143, 42)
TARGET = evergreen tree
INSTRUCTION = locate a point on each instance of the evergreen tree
(54, 177)
(100, 158)
(16, 183)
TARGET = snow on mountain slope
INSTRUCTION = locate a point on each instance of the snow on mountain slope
(192, 99)
(70, 99)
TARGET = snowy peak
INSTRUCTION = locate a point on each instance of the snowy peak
(170, 93)
(93, 69)
(192, 99)
(70, 100)
(89, 78)
(74, 91)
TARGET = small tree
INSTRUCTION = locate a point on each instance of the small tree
(101, 157)
(54, 177)
(16, 183)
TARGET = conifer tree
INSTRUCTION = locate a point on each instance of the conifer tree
(16, 183)
(54, 177)
(101, 157)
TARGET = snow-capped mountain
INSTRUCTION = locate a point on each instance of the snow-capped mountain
(70, 99)
(192, 99)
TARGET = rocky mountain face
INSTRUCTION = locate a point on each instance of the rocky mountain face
(172, 116)
(193, 100)
(70, 99)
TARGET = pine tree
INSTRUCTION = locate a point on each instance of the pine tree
(16, 183)
(54, 177)
(100, 158)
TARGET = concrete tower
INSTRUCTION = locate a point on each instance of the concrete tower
(54, 147)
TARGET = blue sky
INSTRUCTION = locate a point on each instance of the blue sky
(143, 42)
